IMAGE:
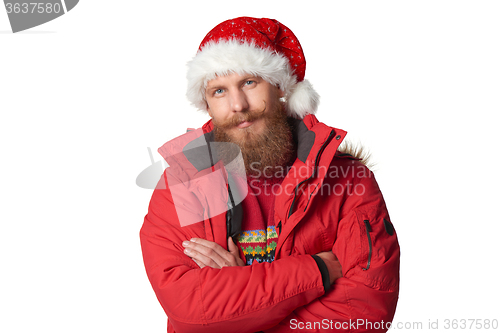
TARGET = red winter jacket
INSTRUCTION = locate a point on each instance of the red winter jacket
(330, 202)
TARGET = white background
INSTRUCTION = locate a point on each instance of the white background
(83, 96)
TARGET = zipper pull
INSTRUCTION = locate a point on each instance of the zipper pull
(368, 226)
(368, 230)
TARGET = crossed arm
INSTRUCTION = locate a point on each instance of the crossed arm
(196, 298)
(205, 253)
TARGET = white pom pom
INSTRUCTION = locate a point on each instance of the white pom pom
(302, 100)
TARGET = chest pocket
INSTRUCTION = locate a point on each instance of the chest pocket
(309, 238)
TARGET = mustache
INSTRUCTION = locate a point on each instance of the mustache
(243, 116)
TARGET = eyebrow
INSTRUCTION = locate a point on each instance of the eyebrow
(215, 87)
(223, 86)
(252, 78)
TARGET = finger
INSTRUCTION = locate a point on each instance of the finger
(207, 254)
(211, 245)
(201, 259)
(212, 250)
(232, 247)
(200, 264)
(233, 254)
(234, 250)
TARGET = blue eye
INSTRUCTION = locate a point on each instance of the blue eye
(249, 82)
(218, 91)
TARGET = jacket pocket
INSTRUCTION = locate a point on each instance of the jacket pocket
(378, 259)
(368, 229)
(366, 246)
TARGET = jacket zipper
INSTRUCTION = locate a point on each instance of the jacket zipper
(368, 228)
(313, 173)
(309, 199)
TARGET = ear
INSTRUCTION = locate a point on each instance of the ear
(281, 93)
(281, 96)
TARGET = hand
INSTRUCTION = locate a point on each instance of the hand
(333, 265)
(207, 253)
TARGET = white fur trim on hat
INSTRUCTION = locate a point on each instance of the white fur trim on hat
(232, 56)
(303, 99)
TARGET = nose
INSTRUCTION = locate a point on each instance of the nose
(239, 101)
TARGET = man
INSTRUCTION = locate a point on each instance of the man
(284, 233)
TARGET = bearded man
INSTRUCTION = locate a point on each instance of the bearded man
(284, 232)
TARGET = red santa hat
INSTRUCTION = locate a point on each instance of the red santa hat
(260, 47)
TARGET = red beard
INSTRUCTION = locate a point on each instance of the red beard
(271, 149)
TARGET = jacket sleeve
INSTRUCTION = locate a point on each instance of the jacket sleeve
(249, 298)
(365, 298)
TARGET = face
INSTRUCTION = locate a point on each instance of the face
(246, 110)
(238, 103)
